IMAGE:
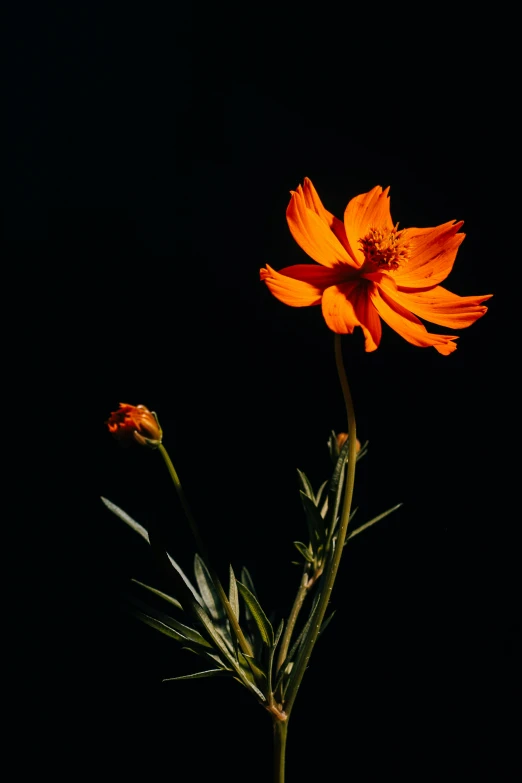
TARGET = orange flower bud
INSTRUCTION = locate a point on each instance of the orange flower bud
(343, 437)
(137, 422)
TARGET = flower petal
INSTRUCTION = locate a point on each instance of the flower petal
(408, 326)
(348, 305)
(432, 254)
(314, 203)
(338, 311)
(300, 285)
(312, 229)
(442, 307)
(369, 210)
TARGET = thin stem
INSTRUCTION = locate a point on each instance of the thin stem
(243, 643)
(335, 558)
(183, 499)
(280, 734)
(296, 608)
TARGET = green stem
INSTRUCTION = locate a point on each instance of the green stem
(183, 499)
(243, 643)
(296, 608)
(280, 734)
(335, 558)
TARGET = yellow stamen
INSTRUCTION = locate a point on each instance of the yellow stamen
(385, 249)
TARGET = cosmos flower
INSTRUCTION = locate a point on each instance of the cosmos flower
(135, 422)
(368, 269)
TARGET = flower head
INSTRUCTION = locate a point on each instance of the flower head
(135, 422)
(367, 270)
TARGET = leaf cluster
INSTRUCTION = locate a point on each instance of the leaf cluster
(231, 631)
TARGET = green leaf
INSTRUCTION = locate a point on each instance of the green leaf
(304, 551)
(335, 487)
(296, 649)
(233, 600)
(159, 626)
(186, 632)
(247, 580)
(253, 634)
(372, 522)
(333, 447)
(127, 519)
(319, 494)
(296, 645)
(324, 508)
(278, 633)
(201, 675)
(326, 623)
(213, 601)
(254, 689)
(298, 642)
(220, 645)
(233, 595)
(186, 580)
(204, 653)
(265, 629)
(166, 597)
(314, 520)
(306, 487)
(251, 667)
(272, 653)
(208, 591)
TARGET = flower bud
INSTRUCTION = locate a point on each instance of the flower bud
(343, 437)
(135, 422)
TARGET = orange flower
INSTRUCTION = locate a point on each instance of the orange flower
(136, 422)
(369, 269)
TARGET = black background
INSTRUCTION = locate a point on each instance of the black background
(151, 161)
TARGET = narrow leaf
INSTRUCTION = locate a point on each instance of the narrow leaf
(333, 447)
(201, 675)
(233, 595)
(254, 689)
(166, 597)
(314, 520)
(219, 643)
(335, 487)
(272, 653)
(265, 629)
(208, 591)
(298, 642)
(295, 646)
(250, 666)
(127, 519)
(188, 633)
(278, 633)
(326, 623)
(304, 551)
(247, 580)
(372, 522)
(324, 508)
(205, 654)
(159, 626)
(253, 634)
(299, 646)
(306, 487)
(320, 493)
(186, 580)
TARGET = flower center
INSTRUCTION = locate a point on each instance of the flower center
(385, 249)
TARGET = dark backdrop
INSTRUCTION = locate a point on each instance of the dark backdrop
(151, 164)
